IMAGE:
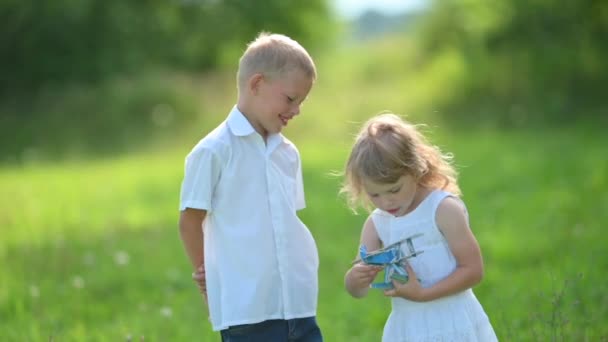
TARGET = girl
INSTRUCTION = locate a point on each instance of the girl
(414, 189)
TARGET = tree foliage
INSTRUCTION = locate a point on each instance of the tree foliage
(524, 59)
(64, 41)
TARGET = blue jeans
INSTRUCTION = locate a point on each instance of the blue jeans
(276, 330)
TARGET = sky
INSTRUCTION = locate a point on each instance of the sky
(353, 8)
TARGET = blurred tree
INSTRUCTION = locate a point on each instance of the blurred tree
(62, 41)
(80, 76)
(523, 60)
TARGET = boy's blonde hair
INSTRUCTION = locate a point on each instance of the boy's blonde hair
(273, 55)
(388, 147)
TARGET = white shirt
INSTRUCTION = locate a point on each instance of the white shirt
(261, 261)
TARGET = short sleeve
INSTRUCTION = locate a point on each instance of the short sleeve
(201, 173)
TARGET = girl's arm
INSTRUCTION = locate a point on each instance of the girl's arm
(360, 276)
(452, 220)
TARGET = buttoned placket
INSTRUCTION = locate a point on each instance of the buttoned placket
(274, 196)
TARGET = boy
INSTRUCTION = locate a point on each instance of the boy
(255, 262)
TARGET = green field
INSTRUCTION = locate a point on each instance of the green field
(90, 250)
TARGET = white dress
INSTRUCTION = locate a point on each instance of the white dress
(459, 317)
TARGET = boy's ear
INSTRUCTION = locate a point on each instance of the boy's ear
(255, 82)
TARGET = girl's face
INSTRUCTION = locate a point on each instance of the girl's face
(279, 100)
(396, 198)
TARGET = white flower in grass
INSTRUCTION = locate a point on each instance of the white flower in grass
(166, 311)
(34, 291)
(77, 282)
(121, 258)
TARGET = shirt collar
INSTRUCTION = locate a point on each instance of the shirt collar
(240, 126)
(238, 123)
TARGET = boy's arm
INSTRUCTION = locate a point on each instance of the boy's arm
(191, 233)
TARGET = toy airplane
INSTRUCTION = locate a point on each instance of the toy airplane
(390, 257)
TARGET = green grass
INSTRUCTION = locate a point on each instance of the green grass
(90, 250)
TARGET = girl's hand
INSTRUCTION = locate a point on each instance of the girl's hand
(362, 275)
(411, 290)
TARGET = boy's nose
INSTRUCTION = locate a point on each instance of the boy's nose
(296, 110)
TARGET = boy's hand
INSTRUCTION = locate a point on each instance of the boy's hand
(199, 278)
(411, 290)
(362, 275)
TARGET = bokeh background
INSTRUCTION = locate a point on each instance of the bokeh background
(100, 101)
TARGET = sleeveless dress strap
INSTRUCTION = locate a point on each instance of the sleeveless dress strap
(381, 222)
(439, 196)
(436, 197)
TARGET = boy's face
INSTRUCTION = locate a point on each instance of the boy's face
(277, 100)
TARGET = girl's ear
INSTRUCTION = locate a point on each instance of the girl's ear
(255, 82)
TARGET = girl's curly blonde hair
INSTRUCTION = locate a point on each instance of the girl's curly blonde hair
(386, 148)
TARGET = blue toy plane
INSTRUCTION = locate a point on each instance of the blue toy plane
(390, 257)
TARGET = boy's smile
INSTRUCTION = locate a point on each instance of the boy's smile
(285, 119)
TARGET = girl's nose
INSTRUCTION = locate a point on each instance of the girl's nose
(387, 202)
